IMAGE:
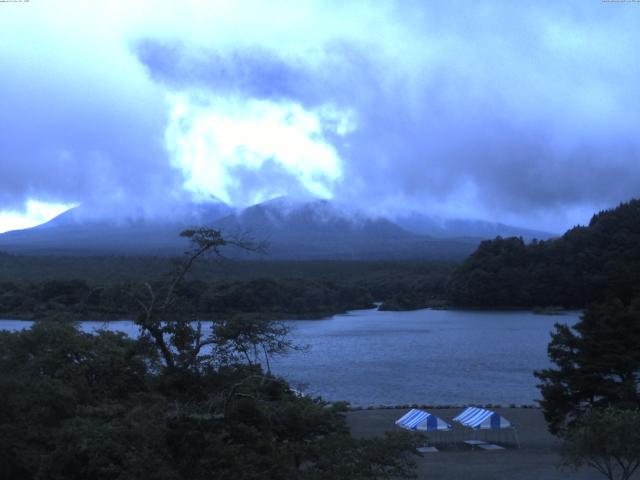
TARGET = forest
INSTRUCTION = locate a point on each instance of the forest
(587, 264)
(79, 288)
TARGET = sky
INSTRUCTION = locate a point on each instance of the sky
(522, 112)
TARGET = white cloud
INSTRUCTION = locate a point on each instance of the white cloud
(210, 140)
(35, 213)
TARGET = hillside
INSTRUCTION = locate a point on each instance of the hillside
(320, 230)
(78, 232)
(294, 230)
(447, 228)
(584, 265)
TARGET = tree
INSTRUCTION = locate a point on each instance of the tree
(75, 405)
(258, 428)
(607, 440)
(249, 339)
(52, 374)
(584, 265)
(163, 323)
(597, 364)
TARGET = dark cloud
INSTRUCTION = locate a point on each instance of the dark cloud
(257, 72)
(504, 122)
(76, 139)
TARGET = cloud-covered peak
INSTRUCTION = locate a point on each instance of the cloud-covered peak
(526, 113)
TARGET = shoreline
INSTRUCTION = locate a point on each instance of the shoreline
(74, 317)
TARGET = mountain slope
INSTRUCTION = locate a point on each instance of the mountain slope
(75, 232)
(450, 228)
(299, 230)
(321, 230)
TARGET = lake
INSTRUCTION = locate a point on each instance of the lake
(369, 357)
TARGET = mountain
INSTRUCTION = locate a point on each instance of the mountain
(451, 228)
(294, 229)
(78, 232)
(319, 229)
(584, 265)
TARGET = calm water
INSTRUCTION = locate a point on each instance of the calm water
(427, 356)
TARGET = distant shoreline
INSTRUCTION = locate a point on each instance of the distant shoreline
(312, 316)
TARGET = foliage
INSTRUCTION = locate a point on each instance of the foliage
(177, 403)
(49, 375)
(345, 458)
(597, 364)
(272, 290)
(585, 265)
(112, 269)
(607, 440)
(248, 339)
(76, 405)
(283, 298)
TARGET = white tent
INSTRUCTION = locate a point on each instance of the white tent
(416, 419)
(482, 419)
(494, 425)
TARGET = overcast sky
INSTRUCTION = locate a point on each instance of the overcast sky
(521, 112)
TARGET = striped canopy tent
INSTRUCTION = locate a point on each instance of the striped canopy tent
(416, 419)
(481, 419)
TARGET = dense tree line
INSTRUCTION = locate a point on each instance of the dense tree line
(308, 292)
(585, 265)
(110, 269)
(77, 300)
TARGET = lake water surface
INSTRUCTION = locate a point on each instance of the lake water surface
(368, 357)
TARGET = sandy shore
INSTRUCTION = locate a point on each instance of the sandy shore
(536, 459)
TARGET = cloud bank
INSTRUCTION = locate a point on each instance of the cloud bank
(526, 113)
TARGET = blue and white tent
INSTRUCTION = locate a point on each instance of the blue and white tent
(482, 419)
(416, 419)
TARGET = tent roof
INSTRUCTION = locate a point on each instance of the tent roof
(481, 418)
(416, 419)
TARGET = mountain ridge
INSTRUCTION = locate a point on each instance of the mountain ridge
(315, 229)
